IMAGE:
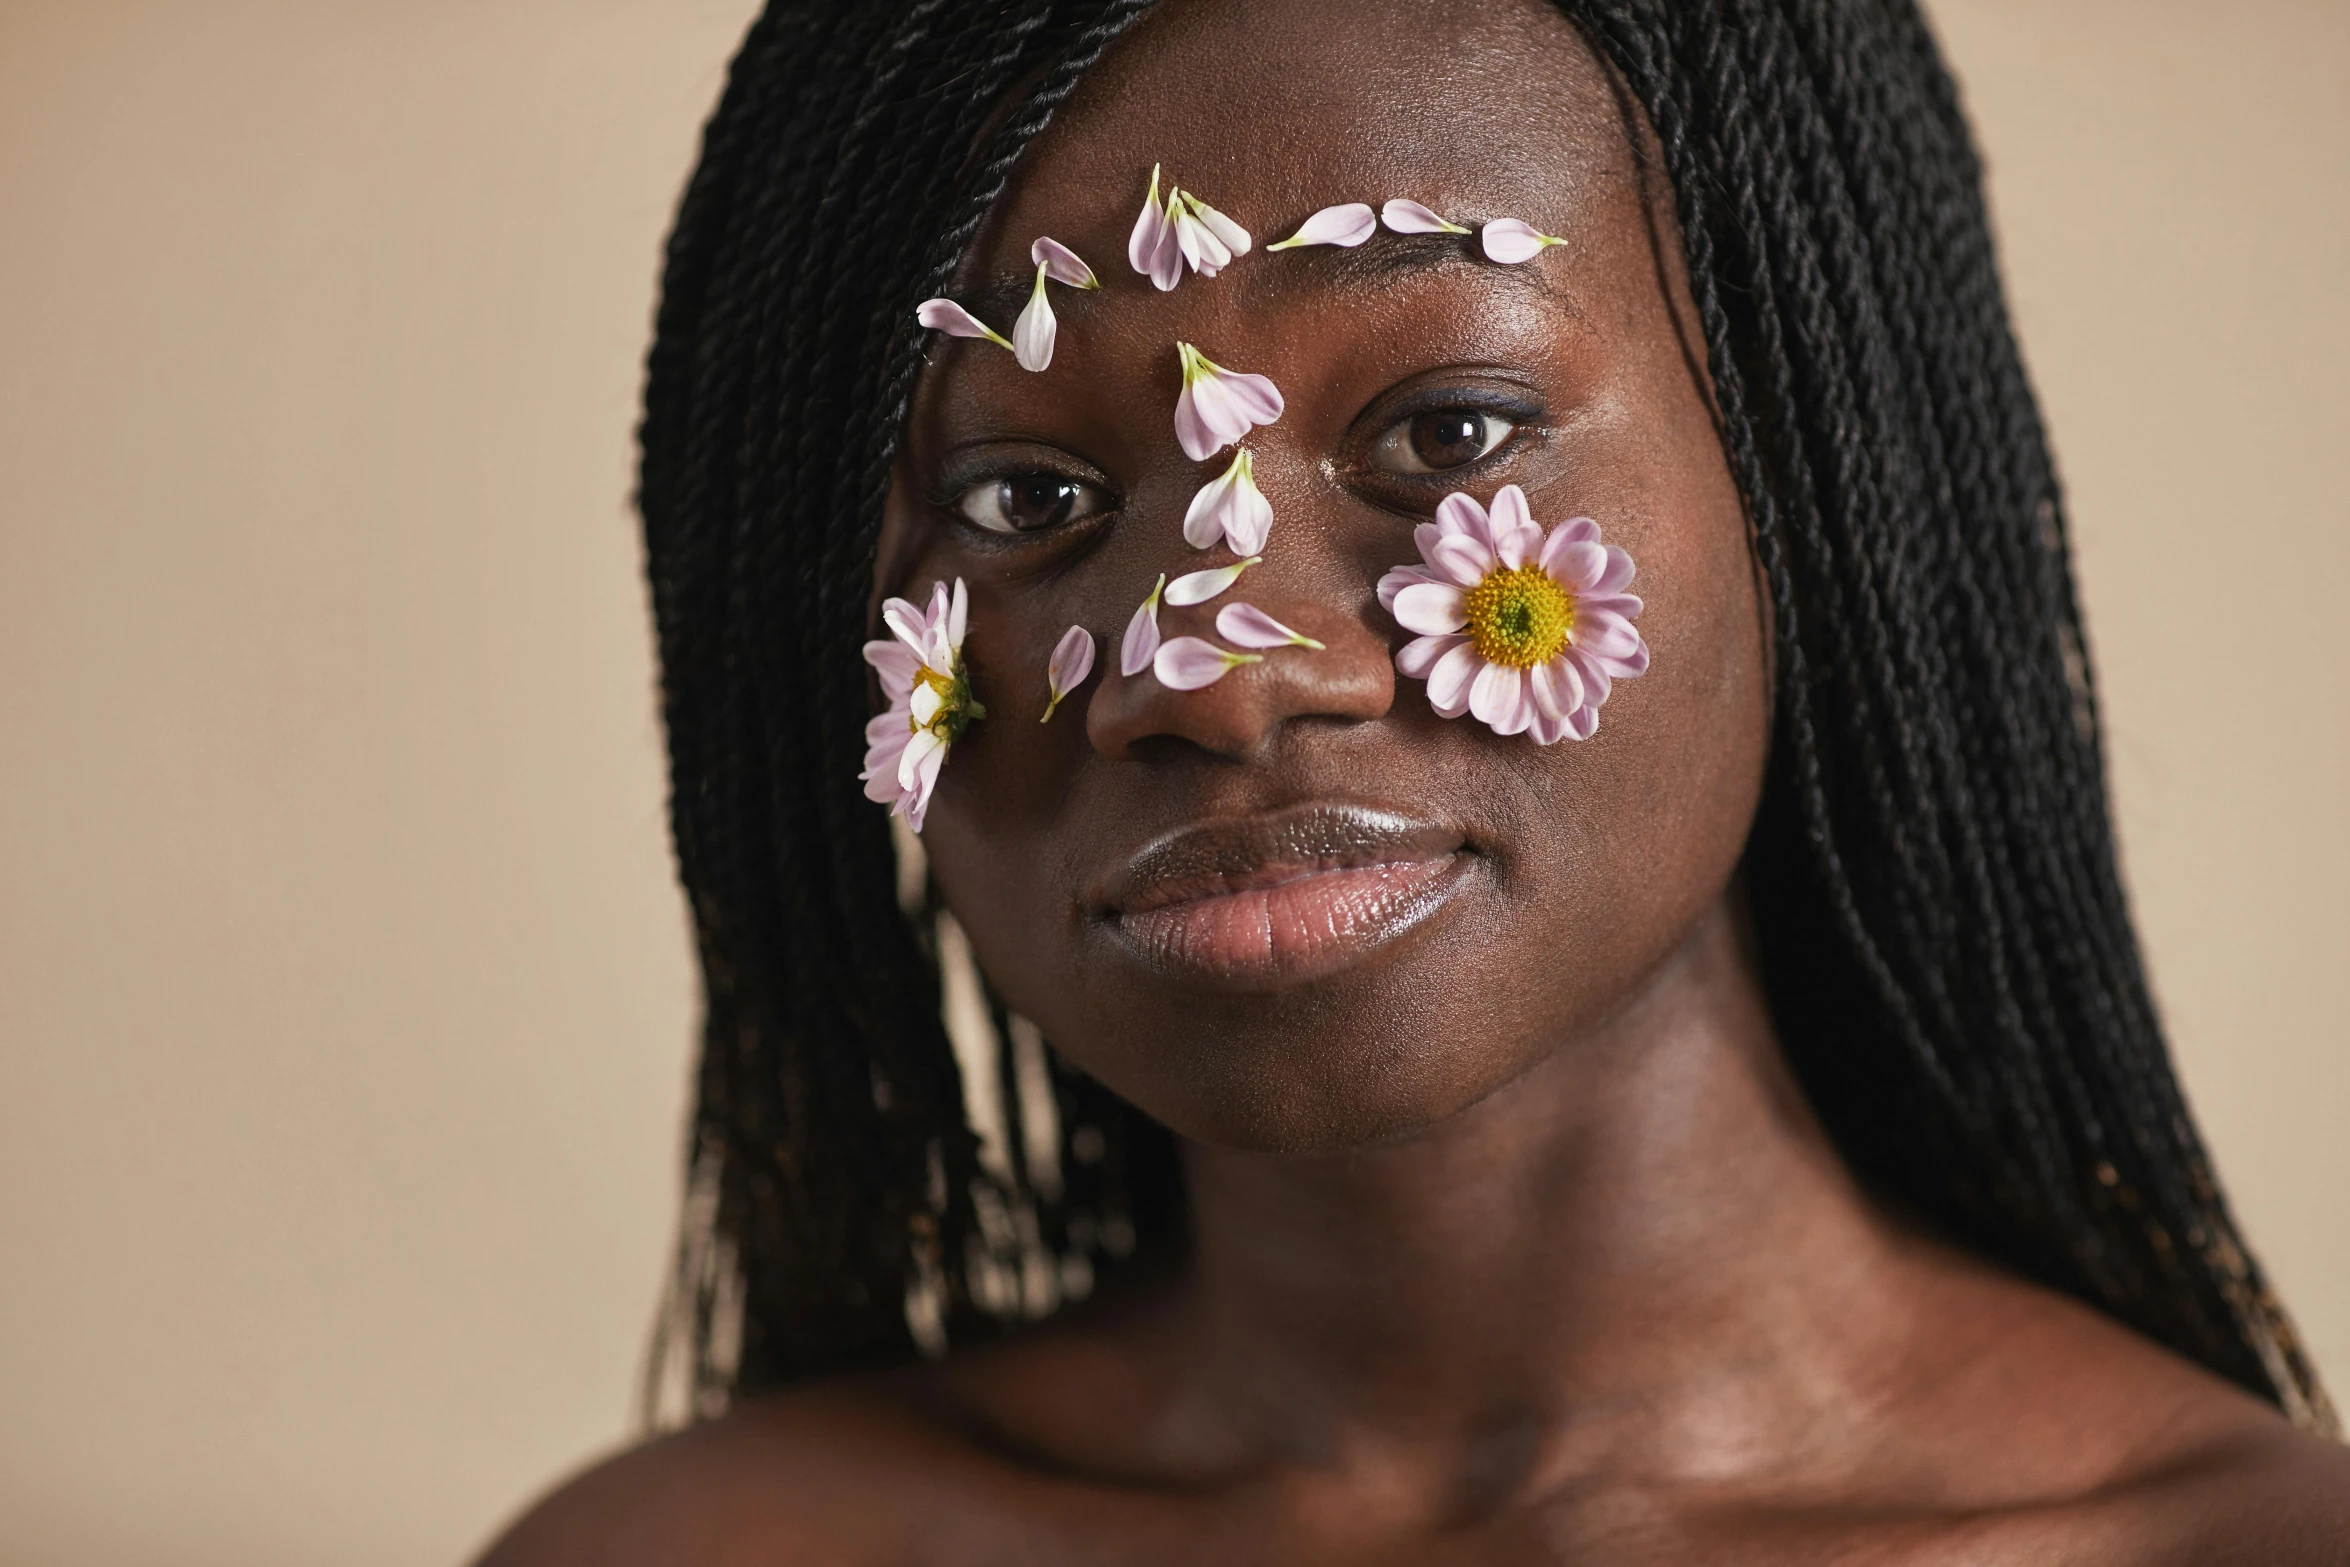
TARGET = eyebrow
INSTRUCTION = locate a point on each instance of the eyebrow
(1379, 262)
(1384, 260)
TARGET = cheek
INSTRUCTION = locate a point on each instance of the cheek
(1646, 823)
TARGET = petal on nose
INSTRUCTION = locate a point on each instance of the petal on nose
(1351, 677)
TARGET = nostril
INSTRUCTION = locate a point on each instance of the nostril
(1165, 750)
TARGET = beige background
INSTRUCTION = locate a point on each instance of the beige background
(344, 1001)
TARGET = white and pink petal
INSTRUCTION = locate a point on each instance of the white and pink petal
(1417, 657)
(1431, 609)
(1245, 625)
(1345, 226)
(1404, 216)
(1037, 329)
(1400, 578)
(1462, 560)
(1452, 676)
(1141, 642)
(1574, 567)
(1191, 663)
(1062, 264)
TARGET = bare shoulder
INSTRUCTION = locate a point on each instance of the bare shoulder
(926, 1461)
(2253, 1490)
(821, 1475)
(2097, 1444)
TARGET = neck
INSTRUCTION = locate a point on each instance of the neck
(1649, 1221)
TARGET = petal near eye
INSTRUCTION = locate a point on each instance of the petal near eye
(1439, 440)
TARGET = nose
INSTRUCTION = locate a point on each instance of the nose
(1349, 679)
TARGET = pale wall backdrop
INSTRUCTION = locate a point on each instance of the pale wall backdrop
(344, 996)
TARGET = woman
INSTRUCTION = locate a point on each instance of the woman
(1592, 1016)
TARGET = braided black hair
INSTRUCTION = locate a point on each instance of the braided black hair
(1945, 938)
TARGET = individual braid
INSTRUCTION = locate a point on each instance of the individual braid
(1945, 938)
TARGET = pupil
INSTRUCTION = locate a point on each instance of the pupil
(1449, 439)
(1041, 501)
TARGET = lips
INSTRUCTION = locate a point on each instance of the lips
(1282, 898)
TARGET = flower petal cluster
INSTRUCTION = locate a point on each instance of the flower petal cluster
(1409, 217)
(1208, 239)
(930, 700)
(1189, 663)
(1183, 230)
(1346, 226)
(1142, 633)
(1230, 509)
(1072, 661)
(1197, 587)
(1525, 633)
(1509, 241)
(1151, 248)
(1218, 406)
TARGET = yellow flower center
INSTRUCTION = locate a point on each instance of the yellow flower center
(957, 707)
(1520, 618)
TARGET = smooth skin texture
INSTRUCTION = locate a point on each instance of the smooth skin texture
(1515, 1241)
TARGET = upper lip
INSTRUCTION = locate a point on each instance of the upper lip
(1215, 858)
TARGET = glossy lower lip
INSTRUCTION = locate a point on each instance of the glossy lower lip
(1282, 900)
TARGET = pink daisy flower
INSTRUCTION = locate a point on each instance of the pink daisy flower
(1525, 633)
(930, 700)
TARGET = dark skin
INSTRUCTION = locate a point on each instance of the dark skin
(1515, 1241)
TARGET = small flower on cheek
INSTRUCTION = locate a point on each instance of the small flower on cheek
(1037, 329)
(1509, 241)
(1072, 661)
(930, 701)
(1142, 634)
(944, 315)
(1409, 217)
(1523, 632)
(1231, 509)
(1188, 663)
(1219, 406)
(1151, 249)
(1346, 226)
(1062, 264)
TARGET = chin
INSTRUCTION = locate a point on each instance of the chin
(1358, 1031)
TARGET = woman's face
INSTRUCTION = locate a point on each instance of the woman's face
(1297, 909)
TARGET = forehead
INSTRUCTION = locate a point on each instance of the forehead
(1272, 109)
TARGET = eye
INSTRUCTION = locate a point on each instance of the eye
(1439, 439)
(1029, 502)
